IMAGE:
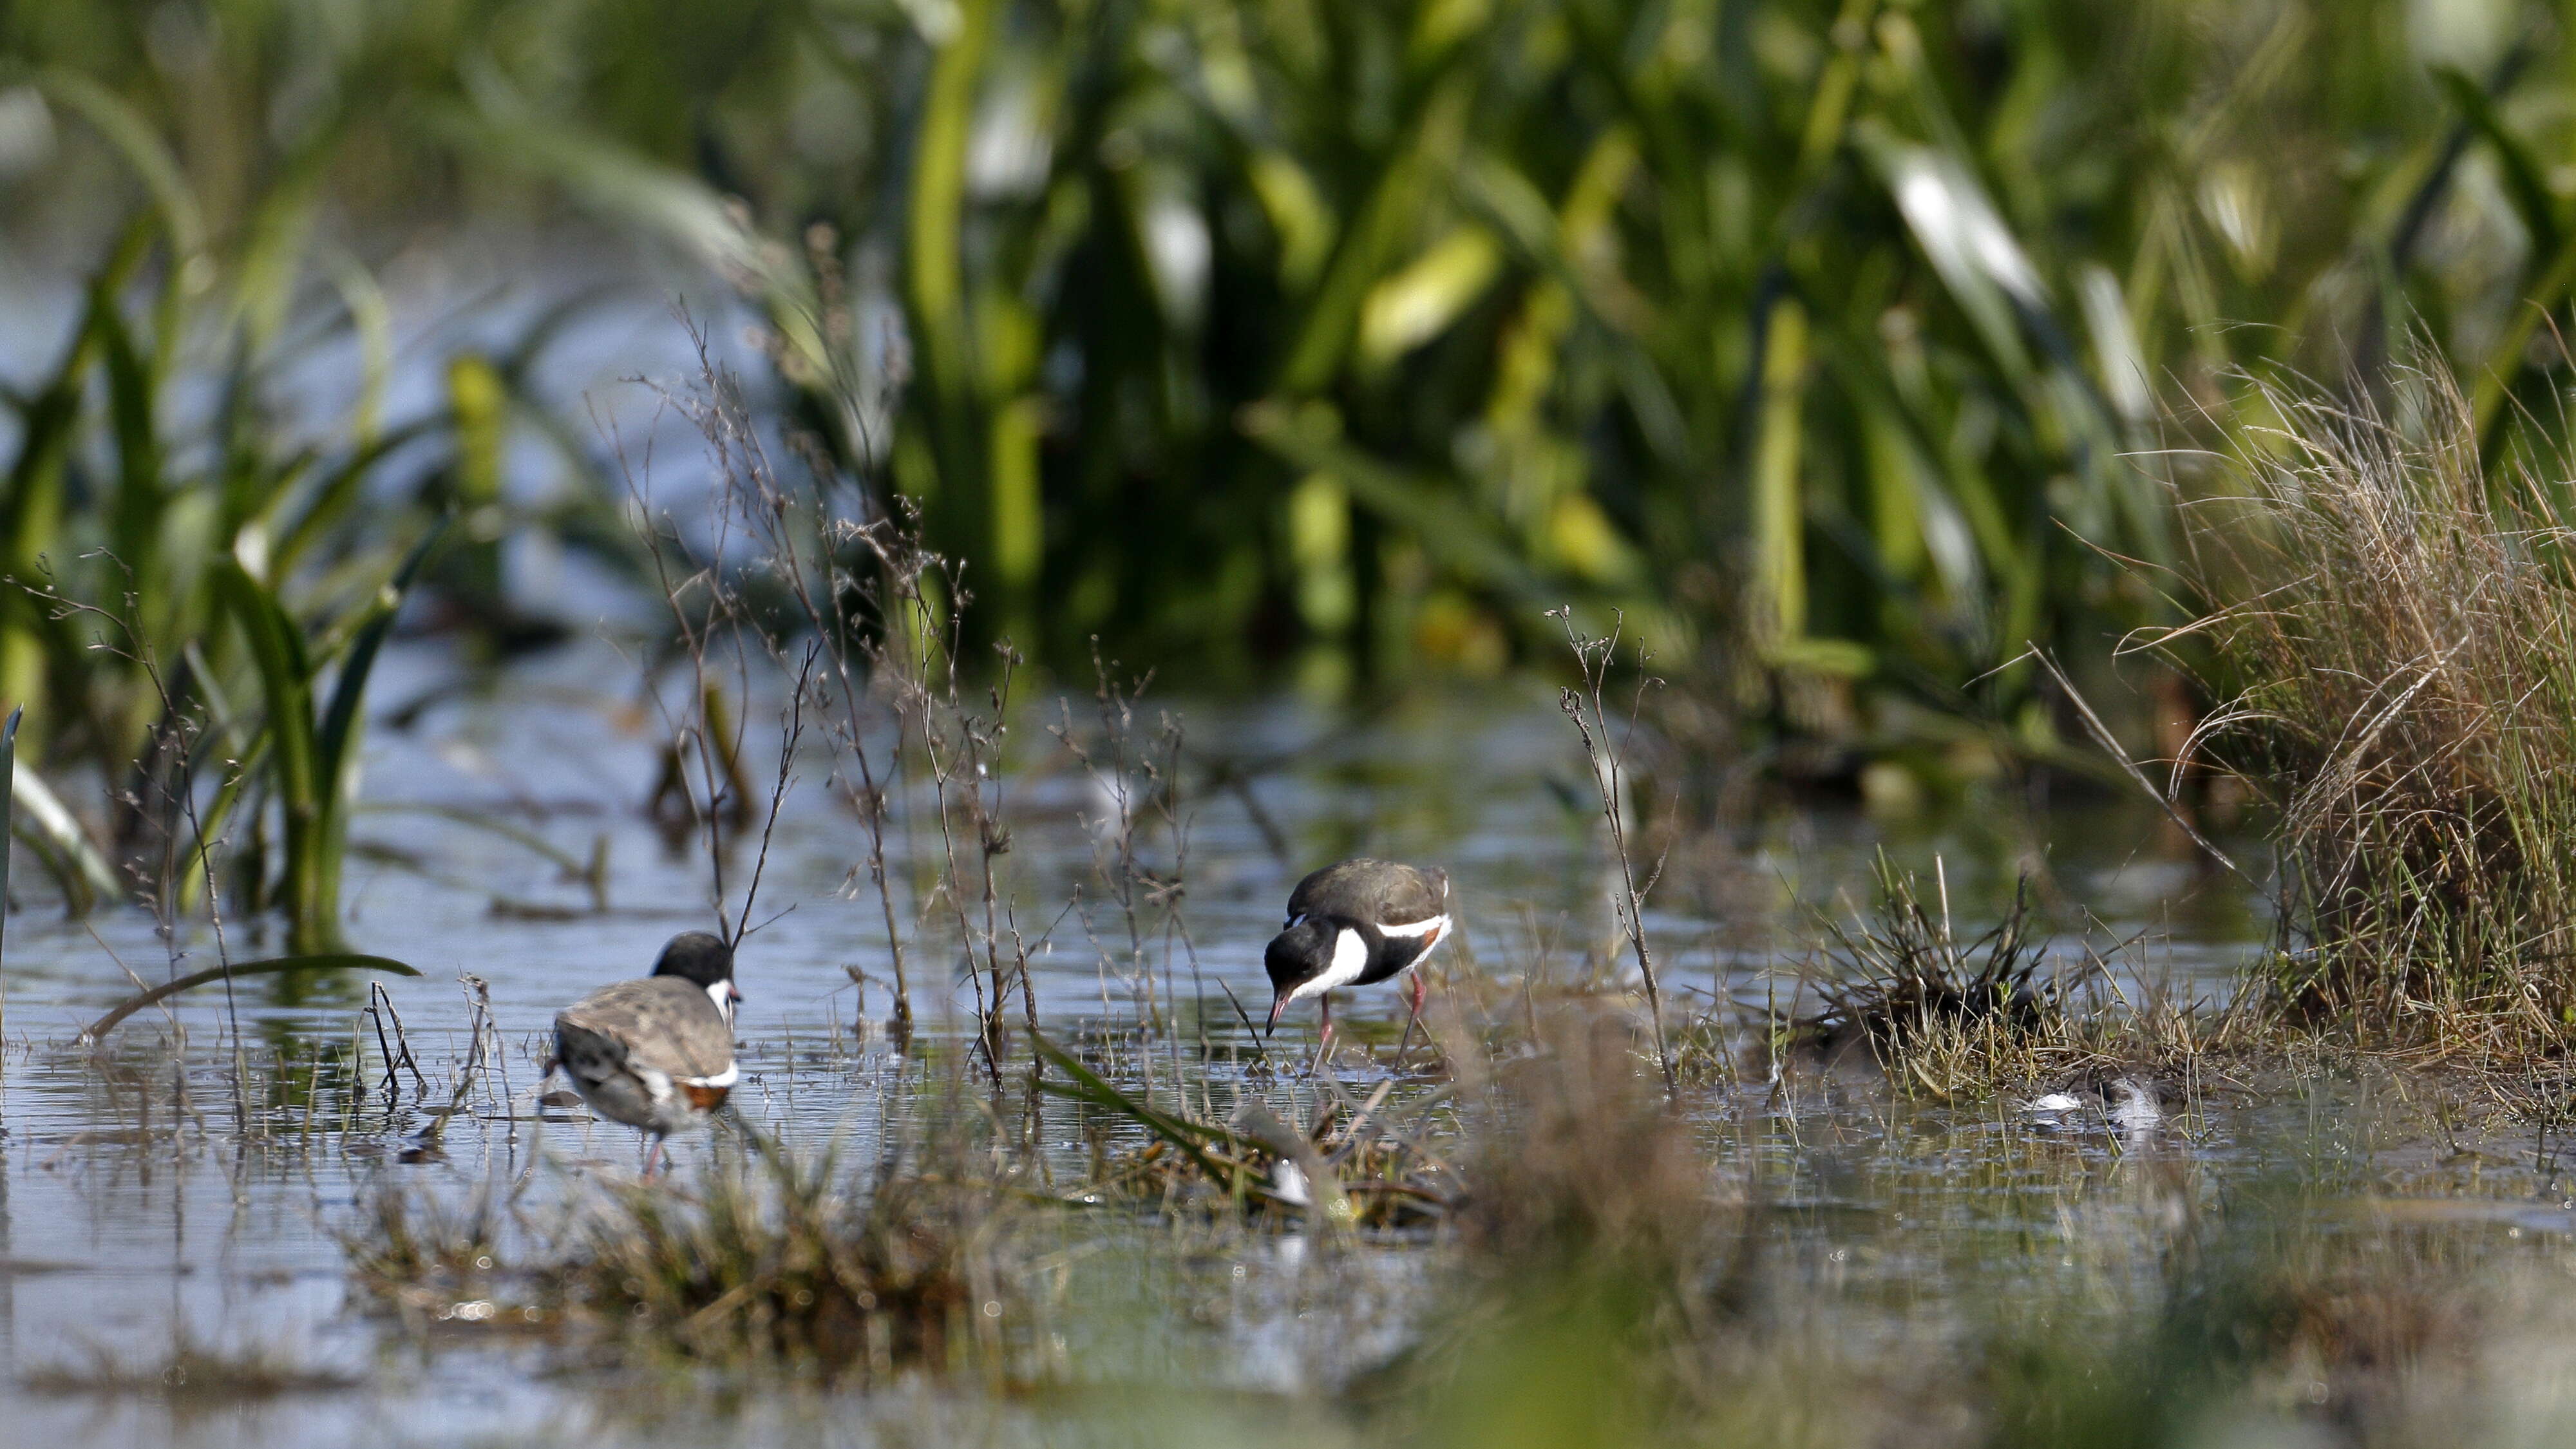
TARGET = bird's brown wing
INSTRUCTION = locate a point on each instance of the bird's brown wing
(1387, 891)
(1415, 896)
(665, 1022)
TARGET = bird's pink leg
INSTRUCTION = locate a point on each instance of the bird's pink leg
(1412, 1021)
(652, 1157)
(1323, 1043)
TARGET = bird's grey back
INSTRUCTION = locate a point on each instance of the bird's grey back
(666, 1023)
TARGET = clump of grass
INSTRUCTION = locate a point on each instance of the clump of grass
(1903, 984)
(790, 1263)
(426, 1257)
(194, 1374)
(1966, 1019)
(1599, 1250)
(2395, 616)
(1577, 1161)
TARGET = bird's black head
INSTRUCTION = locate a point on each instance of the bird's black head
(699, 957)
(1296, 956)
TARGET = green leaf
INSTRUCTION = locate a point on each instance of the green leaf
(348, 692)
(330, 498)
(317, 961)
(8, 782)
(1421, 300)
(2522, 171)
(1088, 1086)
(131, 390)
(1779, 510)
(1965, 239)
(135, 139)
(1406, 184)
(297, 771)
(46, 824)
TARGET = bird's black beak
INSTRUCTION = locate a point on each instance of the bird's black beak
(1278, 1004)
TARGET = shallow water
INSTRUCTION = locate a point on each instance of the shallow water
(171, 1192)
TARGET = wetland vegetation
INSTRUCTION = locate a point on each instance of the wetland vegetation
(1974, 598)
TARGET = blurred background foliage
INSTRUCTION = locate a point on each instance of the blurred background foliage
(1336, 339)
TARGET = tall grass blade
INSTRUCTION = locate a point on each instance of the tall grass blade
(65, 848)
(334, 743)
(2521, 170)
(8, 783)
(134, 139)
(296, 770)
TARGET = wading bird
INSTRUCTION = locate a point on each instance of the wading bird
(656, 1053)
(1355, 924)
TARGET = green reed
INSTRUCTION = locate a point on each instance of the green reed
(1830, 342)
(189, 578)
(1813, 333)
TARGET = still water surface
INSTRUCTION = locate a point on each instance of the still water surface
(132, 1217)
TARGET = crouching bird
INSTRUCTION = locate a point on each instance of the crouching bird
(1355, 924)
(656, 1053)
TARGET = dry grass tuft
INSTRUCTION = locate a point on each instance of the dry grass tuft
(1580, 1164)
(2398, 628)
(1600, 1253)
(195, 1375)
(1902, 984)
(426, 1257)
(784, 1262)
(789, 1262)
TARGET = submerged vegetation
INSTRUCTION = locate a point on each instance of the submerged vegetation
(194, 1377)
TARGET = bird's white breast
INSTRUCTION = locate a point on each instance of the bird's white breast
(1350, 958)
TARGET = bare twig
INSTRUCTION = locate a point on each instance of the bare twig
(1586, 706)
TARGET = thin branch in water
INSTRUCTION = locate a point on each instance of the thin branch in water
(1585, 706)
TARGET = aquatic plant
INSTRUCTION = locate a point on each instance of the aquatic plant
(193, 1375)
(127, 594)
(2393, 633)
(1597, 1251)
(185, 567)
(773, 1259)
(1356, 1167)
(1796, 329)
(1900, 974)
(793, 1262)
